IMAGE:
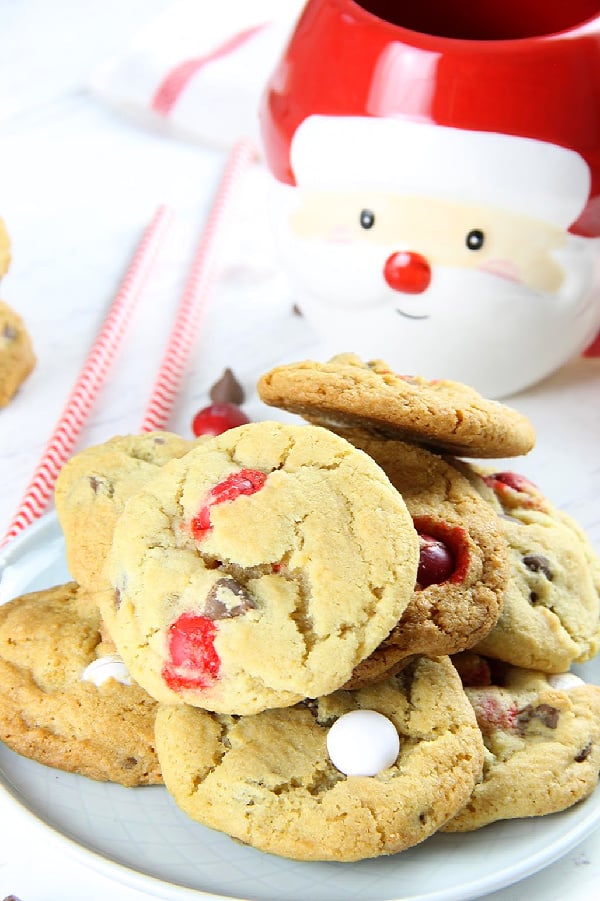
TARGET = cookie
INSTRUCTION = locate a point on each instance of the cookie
(93, 487)
(463, 569)
(542, 740)
(17, 358)
(446, 416)
(52, 711)
(4, 249)
(550, 617)
(385, 661)
(269, 780)
(259, 569)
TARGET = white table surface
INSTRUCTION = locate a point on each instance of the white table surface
(78, 184)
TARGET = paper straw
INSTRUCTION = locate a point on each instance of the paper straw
(90, 379)
(203, 274)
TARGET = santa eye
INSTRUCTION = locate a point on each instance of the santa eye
(475, 239)
(367, 219)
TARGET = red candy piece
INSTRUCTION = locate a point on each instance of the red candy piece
(444, 552)
(246, 481)
(492, 714)
(511, 480)
(436, 562)
(511, 488)
(194, 662)
(473, 670)
(218, 418)
(501, 480)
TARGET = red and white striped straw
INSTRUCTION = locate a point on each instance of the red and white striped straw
(90, 379)
(203, 274)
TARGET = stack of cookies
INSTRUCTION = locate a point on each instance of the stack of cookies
(329, 639)
(17, 358)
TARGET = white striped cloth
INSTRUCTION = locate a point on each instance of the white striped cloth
(198, 70)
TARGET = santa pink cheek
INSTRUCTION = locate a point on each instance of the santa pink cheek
(194, 662)
(506, 269)
(341, 234)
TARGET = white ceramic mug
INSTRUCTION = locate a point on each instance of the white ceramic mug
(436, 183)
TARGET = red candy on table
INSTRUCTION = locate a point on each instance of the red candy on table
(218, 418)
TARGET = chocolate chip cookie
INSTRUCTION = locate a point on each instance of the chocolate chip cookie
(463, 567)
(57, 705)
(270, 782)
(4, 249)
(550, 617)
(93, 487)
(446, 416)
(542, 740)
(259, 569)
(17, 358)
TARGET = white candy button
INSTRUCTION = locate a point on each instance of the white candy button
(363, 743)
(565, 681)
(108, 667)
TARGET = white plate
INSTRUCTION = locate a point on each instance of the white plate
(138, 836)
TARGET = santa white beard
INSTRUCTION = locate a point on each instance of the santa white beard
(497, 335)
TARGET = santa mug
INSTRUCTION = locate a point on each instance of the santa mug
(435, 175)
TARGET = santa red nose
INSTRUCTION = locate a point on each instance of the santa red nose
(408, 272)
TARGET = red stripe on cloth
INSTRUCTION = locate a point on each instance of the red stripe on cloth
(170, 89)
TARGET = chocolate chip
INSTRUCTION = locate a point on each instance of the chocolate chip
(117, 599)
(545, 713)
(101, 486)
(129, 763)
(296, 310)
(227, 389)
(312, 705)
(9, 332)
(219, 600)
(538, 564)
(584, 753)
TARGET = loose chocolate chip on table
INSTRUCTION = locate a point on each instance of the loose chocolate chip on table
(227, 389)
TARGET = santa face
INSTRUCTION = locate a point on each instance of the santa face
(467, 291)
(422, 233)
